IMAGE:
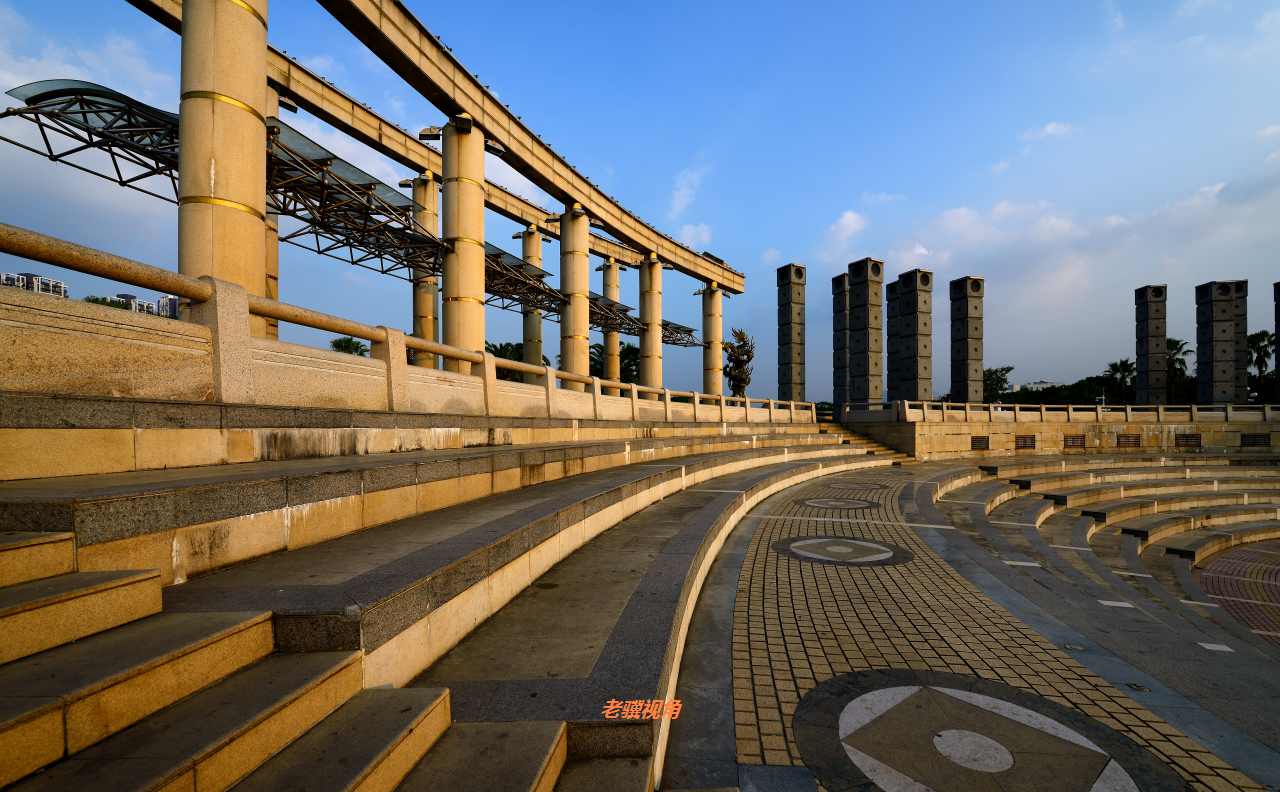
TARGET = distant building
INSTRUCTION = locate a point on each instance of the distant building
(34, 283)
(1041, 385)
(131, 302)
(167, 306)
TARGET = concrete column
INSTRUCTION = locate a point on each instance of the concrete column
(426, 291)
(575, 273)
(271, 251)
(915, 335)
(1152, 379)
(713, 337)
(791, 283)
(612, 342)
(1215, 343)
(840, 340)
(531, 252)
(463, 229)
(866, 336)
(1243, 358)
(222, 163)
(891, 387)
(966, 339)
(651, 319)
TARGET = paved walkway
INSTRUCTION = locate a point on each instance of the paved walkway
(864, 620)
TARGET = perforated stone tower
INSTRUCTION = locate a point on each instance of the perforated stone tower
(915, 335)
(1152, 380)
(891, 388)
(840, 339)
(866, 334)
(1215, 343)
(1243, 358)
(791, 282)
(966, 339)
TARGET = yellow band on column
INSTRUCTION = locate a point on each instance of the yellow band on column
(251, 10)
(464, 239)
(573, 294)
(584, 338)
(462, 179)
(221, 202)
(464, 299)
(575, 253)
(223, 98)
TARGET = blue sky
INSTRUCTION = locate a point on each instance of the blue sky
(1068, 152)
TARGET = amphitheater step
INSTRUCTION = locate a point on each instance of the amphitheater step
(617, 774)
(41, 614)
(61, 701)
(520, 756)
(216, 737)
(33, 555)
(366, 745)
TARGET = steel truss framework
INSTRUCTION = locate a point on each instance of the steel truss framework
(344, 212)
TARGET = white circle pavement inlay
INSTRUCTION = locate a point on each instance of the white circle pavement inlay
(973, 750)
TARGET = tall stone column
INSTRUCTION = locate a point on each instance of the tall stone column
(1152, 380)
(612, 341)
(891, 386)
(791, 283)
(222, 163)
(915, 335)
(713, 337)
(1243, 358)
(1215, 343)
(426, 292)
(840, 340)
(531, 252)
(271, 251)
(651, 320)
(866, 336)
(575, 273)
(966, 339)
(463, 229)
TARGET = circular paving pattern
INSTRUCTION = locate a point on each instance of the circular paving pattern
(841, 550)
(837, 503)
(854, 485)
(907, 731)
(1245, 582)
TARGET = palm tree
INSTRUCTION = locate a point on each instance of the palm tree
(352, 346)
(1262, 345)
(1122, 372)
(1178, 352)
(510, 351)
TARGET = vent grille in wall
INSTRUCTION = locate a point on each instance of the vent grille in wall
(1024, 441)
(1186, 441)
(1073, 441)
(979, 443)
(1263, 439)
(1128, 441)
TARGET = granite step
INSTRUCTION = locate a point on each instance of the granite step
(33, 555)
(217, 736)
(616, 773)
(41, 614)
(368, 744)
(61, 701)
(524, 756)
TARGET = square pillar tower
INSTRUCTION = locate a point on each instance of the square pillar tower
(866, 334)
(1243, 358)
(1215, 343)
(791, 281)
(1152, 380)
(840, 339)
(891, 389)
(915, 335)
(966, 339)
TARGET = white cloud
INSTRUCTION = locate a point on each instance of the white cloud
(1269, 22)
(1007, 208)
(687, 183)
(323, 65)
(1114, 20)
(920, 250)
(882, 197)
(1273, 158)
(1266, 132)
(695, 236)
(771, 256)
(835, 242)
(1050, 129)
(1194, 6)
(1000, 167)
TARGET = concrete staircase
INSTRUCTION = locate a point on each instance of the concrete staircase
(873, 447)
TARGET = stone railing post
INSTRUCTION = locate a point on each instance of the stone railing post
(722, 400)
(550, 383)
(635, 403)
(489, 383)
(226, 314)
(772, 417)
(666, 404)
(595, 398)
(392, 352)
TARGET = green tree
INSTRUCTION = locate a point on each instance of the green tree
(1262, 346)
(629, 363)
(509, 351)
(739, 352)
(995, 383)
(110, 302)
(1121, 373)
(349, 345)
(1179, 378)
